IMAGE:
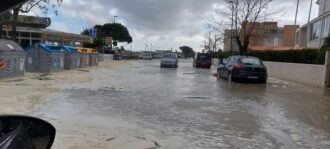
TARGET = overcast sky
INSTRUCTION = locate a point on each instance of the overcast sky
(162, 23)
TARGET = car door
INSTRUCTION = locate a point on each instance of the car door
(223, 70)
(229, 66)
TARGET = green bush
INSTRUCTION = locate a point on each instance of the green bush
(306, 56)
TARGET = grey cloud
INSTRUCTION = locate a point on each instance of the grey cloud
(165, 19)
(147, 15)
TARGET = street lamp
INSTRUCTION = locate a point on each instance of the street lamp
(114, 22)
(114, 19)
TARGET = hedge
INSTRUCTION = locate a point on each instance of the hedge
(306, 56)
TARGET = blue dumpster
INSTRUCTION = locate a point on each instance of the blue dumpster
(71, 58)
(45, 58)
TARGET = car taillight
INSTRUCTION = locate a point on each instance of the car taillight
(237, 66)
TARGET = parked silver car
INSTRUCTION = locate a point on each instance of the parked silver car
(169, 60)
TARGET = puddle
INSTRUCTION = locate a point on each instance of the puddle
(199, 97)
(14, 80)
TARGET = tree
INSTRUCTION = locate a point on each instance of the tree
(243, 12)
(187, 51)
(43, 5)
(117, 31)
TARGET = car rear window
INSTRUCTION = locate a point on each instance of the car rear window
(204, 56)
(250, 61)
(169, 56)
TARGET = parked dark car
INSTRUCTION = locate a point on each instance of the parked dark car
(243, 68)
(202, 60)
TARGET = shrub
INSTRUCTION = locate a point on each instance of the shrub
(306, 56)
(326, 42)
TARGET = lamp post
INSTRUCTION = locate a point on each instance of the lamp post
(231, 27)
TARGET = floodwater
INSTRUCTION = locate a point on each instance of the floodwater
(140, 105)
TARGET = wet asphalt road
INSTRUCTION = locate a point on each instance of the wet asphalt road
(209, 112)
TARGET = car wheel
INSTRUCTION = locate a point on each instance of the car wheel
(264, 81)
(230, 77)
(218, 75)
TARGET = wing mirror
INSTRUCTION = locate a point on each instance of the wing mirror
(223, 61)
(25, 133)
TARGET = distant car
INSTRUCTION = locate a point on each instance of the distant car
(147, 56)
(169, 60)
(203, 60)
(243, 68)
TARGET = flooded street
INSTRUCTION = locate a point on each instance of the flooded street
(136, 104)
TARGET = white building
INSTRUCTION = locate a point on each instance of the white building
(312, 35)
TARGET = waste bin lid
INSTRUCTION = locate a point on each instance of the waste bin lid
(82, 50)
(70, 49)
(9, 45)
(51, 48)
(90, 50)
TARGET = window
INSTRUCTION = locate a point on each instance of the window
(25, 34)
(315, 30)
(4, 34)
(36, 35)
(250, 61)
(204, 56)
(327, 27)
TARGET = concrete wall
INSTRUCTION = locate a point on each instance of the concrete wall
(314, 43)
(107, 56)
(215, 62)
(301, 73)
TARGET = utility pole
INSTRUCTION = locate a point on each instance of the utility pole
(209, 44)
(308, 24)
(295, 23)
(322, 26)
(1, 30)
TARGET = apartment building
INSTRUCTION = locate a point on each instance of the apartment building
(312, 34)
(264, 36)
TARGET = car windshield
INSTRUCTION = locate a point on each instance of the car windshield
(250, 61)
(175, 74)
(172, 56)
(204, 57)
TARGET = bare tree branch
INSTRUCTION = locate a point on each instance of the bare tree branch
(245, 14)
